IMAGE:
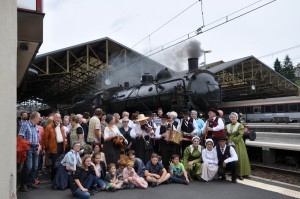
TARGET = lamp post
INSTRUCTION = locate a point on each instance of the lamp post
(206, 51)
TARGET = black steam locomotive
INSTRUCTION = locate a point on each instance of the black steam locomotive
(196, 89)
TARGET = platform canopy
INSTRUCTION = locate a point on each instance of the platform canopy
(249, 78)
(69, 75)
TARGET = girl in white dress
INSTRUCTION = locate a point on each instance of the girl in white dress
(210, 161)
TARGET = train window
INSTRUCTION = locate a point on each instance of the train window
(249, 109)
(268, 109)
(257, 109)
(280, 108)
(293, 108)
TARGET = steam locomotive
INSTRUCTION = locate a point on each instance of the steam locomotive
(196, 89)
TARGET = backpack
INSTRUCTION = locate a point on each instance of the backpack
(58, 161)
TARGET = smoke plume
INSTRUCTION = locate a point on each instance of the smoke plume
(176, 57)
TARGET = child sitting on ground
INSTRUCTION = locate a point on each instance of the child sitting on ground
(177, 171)
(111, 178)
(130, 176)
(100, 165)
(155, 172)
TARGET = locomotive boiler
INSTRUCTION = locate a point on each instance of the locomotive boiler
(196, 89)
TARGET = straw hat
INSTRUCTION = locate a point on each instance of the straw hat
(141, 117)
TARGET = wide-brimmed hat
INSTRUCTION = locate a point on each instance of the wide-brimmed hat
(141, 117)
(222, 138)
(214, 110)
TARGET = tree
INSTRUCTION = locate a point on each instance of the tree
(288, 68)
(277, 66)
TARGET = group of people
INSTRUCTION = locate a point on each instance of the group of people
(107, 152)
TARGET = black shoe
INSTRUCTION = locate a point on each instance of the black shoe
(91, 193)
(111, 189)
(240, 178)
(95, 189)
(223, 178)
(33, 186)
(185, 182)
(233, 181)
(153, 184)
(24, 188)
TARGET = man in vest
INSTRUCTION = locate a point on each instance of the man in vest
(213, 127)
(189, 128)
(228, 159)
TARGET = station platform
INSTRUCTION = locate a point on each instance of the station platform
(285, 141)
(276, 128)
(248, 188)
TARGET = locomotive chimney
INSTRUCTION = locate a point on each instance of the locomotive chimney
(193, 64)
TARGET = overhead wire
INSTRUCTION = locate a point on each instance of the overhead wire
(148, 36)
(195, 33)
(280, 51)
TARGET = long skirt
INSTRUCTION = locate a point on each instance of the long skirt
(209, 171)
(142, 149)
(112, 153)
(194, 171)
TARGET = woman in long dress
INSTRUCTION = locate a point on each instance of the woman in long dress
(192, 159)
(235, 132)
(112, 153)
(210, 161)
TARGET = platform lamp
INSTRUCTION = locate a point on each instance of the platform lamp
(203, 64)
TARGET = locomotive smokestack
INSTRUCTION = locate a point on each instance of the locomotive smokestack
(193, 64)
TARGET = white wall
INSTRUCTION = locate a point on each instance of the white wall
(8, 66)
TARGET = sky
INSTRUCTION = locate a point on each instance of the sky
(264, 31)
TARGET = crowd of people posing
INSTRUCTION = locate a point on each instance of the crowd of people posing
(106, 152)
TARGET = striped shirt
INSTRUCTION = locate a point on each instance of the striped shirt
(30, 132)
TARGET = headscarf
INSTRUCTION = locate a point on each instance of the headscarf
(234, 113)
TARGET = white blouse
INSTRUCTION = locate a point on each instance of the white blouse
(210, 157)
(114, 132)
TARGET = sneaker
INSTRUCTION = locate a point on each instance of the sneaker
(37, 182)
(240, 178)
(153, 184)
(233, 181)
(24, 188)
(223, 178)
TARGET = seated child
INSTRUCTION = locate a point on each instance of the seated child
(139, 166)
(100, 165)
(130, 176)
(111, 178)
(177, 171)
(155, 172)
(121, 166)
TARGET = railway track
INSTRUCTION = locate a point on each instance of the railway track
(291, 176)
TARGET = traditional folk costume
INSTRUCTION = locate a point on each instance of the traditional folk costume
(218, 129)
(229, 156)
(142, 142)
(235, 134)
(192, 154)
(210, 163)
(166, 148)
(187, 126)
(112, 153)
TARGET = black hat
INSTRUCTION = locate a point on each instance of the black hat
(164, 116)
(214, 110)
(222, 138)
(186, 112)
